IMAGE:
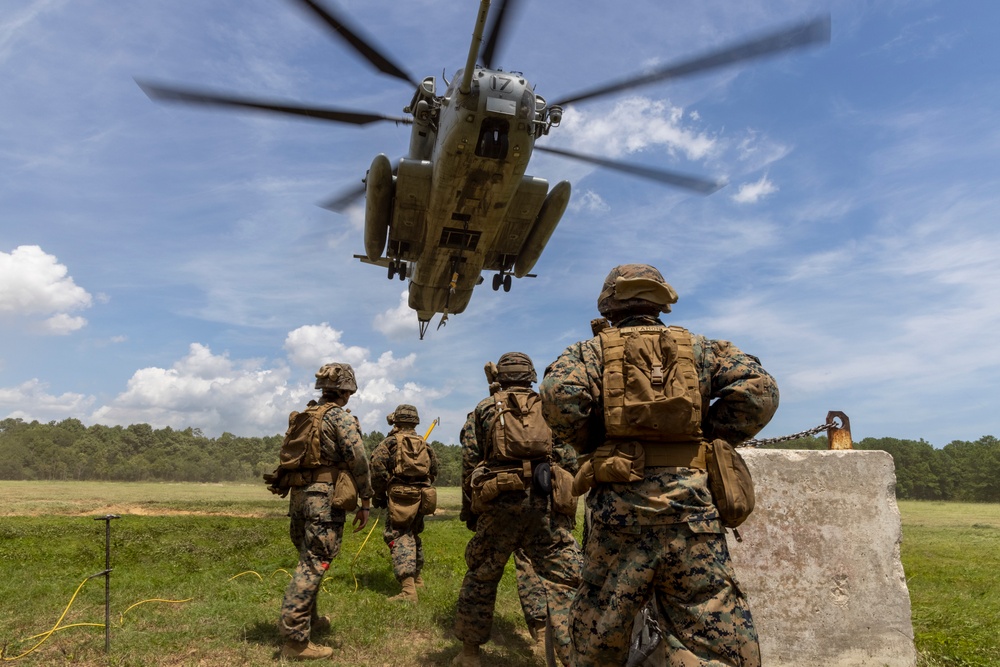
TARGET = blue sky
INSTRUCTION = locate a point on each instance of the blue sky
(169, 265)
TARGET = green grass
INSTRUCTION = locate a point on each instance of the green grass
(951, 556)
(225, 549)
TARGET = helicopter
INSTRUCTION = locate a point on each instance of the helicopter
(461, 202)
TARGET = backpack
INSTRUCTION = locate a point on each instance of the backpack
(518, 431)
(413, 459)
(301, 446)
(651, 389)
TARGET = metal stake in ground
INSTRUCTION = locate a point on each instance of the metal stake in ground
(107, 577)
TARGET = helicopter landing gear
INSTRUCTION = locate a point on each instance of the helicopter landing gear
(397, 267)
(502, 279)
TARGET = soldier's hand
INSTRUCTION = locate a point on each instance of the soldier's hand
(361, 518)
(471, 522)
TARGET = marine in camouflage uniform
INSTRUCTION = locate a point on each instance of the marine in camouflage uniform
(513, 520)
(405, 545)
(316, 527)
(660, 535)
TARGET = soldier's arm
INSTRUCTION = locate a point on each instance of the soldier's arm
(744, 395)
(471, 456)
(380, 473)
(352, 452)
(570, 391)
(435, 462)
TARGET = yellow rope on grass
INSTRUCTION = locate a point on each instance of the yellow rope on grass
(355, 559)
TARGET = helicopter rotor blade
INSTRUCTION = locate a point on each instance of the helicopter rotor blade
(816, 31)
(506, 9)
(339, 203)
(360, 44)
(207, 98)
(694, 183)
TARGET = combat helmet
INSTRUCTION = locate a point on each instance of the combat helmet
(631, 288)
(405, 414)
(515, 368)
(338, 377)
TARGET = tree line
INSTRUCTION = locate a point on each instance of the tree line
(68, 450)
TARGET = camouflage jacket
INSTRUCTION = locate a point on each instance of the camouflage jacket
(341, 444)
(383, 463)
(742, 397)
(474, 441)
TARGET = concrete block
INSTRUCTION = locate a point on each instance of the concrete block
(820, 561)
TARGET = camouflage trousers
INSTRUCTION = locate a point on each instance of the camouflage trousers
(530, 591)
(706, 622)
(316, 531)
(405, 547)
(547, 541)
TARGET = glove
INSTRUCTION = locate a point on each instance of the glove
(471, 523)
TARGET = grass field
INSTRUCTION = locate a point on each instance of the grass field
(206, 566)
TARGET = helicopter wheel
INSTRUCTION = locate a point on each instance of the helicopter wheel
(402, 270)
(496, 282)
(506, 283)
(392, 269)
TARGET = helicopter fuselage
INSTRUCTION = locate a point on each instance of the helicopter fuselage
(460, 202)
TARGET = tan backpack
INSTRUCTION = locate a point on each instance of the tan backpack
(651, 389)
(518, 431)
(413, 459)
(301, 447)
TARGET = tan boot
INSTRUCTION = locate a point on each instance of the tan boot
(305, 651)
(419, 581)
(409, 593)
(469, 657)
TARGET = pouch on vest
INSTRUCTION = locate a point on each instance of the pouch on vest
(404, 504)
(487, 486)
(619, 463)
(413, 460)
(428, 500)
(345, 492)
(730, 483)
(563, 500)
(650, 384)
(519, 431)
(301, 445)
(583, 481)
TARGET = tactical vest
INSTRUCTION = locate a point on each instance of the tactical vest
(651, 389)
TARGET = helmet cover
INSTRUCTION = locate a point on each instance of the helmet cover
(338, 377)
(635, 287)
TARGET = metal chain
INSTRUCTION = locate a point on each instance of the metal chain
(794, 436)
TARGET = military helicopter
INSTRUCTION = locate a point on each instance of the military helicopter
(460, 202)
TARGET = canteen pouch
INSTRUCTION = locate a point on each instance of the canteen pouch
(730, 482)
(619, 463)
(428, 500)
(486, 487)
(345, 493)
(404, 504)
(563, 500)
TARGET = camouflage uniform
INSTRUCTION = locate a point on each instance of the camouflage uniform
(530, 592)
(316, 527)
(514, 520)
(660, 535)
(405, 545)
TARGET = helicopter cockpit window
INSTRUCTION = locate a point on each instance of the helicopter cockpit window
(493, 139)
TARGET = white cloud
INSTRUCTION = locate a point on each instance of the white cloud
(589, 202)
(33, 283)
(399, 322)
(634, 124)
(216, 393)
(31, 400)
(750, 193)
